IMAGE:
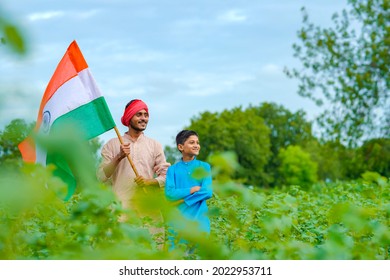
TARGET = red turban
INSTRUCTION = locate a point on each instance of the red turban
(135, 106)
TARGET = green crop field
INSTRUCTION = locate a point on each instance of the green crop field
(342, 220)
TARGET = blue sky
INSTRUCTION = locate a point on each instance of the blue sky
(181, 57)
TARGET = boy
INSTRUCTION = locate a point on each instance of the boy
(191, 192)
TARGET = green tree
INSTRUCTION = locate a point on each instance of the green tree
(286, 128)
(172, 154)
(331, 159)
(14, 133)
(240, 131)
(375, 156)
(347, 66)
(296, 167)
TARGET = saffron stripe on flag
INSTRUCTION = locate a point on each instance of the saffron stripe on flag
(69, 66)
(71, 97)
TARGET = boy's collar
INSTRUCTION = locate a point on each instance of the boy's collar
(188, 160)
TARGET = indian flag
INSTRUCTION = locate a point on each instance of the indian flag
(71, 96)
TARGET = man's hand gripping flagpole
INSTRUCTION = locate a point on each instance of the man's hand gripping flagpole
(128, 156)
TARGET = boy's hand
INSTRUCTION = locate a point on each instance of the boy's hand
(194, 189)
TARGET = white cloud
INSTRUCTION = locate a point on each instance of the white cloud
(191, 22)
(57, 14)
(87, 14)
(125, 51)
(213, 84)
(272, 69)
(232, 16)
(139, 56)
(45, 15)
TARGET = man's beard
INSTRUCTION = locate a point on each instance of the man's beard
(137, 128)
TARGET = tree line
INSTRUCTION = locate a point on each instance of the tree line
(272, 145)
(275, 147)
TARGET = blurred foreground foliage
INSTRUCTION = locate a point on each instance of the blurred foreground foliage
(324, 221)
(12, 35)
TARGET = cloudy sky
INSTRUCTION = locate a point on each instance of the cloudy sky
(181, 57)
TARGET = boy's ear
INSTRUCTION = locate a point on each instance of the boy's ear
(180, 147)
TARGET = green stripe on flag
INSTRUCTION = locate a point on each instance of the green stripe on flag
(93, 118)
(82, 123)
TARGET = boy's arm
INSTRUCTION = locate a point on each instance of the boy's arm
(192, 191)
(171, 192)
(205, 191)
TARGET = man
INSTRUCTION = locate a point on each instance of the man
(148, 158)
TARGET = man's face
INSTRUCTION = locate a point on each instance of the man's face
(140, 120)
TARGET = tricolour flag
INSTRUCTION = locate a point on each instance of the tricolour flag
(71, 96)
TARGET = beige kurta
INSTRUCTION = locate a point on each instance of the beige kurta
(149, 160)
(148, 157)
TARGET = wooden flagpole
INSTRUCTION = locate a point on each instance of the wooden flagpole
(128, 156)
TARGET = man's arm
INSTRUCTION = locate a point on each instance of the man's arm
(110, 162)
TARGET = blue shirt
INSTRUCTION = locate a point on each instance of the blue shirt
(179, 181)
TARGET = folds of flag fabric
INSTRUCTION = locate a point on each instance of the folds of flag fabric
(71, 96)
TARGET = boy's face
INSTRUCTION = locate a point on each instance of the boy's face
(191, 146)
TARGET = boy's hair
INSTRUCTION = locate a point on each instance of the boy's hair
(183, 135)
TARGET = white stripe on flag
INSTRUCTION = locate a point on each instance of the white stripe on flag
(41, 155)
(76, 92)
